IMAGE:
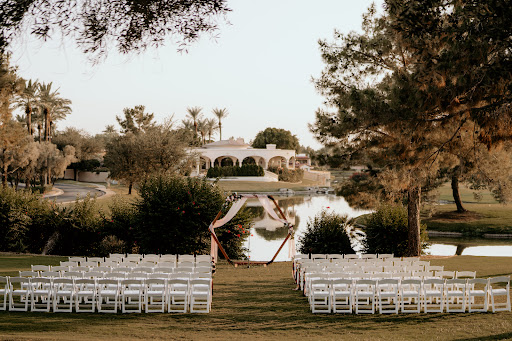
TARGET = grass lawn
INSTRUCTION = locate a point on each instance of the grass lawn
(254, 186)
(259, 303)
(482, 218)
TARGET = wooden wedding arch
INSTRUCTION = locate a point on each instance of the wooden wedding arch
(237, 202)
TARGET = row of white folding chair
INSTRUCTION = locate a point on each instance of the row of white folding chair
(44, 294)
(408, 295)
(375, 275)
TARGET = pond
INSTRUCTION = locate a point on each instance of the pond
(267, 235)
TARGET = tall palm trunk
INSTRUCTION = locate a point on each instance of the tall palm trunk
(220, 131)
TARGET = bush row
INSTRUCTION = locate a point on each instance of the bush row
(244, 170)
(171, 216)
(288, 175)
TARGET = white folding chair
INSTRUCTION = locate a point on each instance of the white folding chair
(85, 295)
(364, 296)
(433, 295)
(200, 295)
(132, 291)
(387, 296)
(155, 295)
(63, 294)
(496, 289)
(456, 295)
(410, 296)
(177, 295)
(478, 291)
(41, 293)
(107, 295)
(342, 295)
(320, 295)
(4, 291)
(19, 287)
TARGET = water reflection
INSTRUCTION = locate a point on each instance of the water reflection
(268, 235)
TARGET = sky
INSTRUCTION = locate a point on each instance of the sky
(259, 67)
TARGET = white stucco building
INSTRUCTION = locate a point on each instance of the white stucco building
(237, 152)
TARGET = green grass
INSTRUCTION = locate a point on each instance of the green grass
(491, 218)
(254, 186)
(259, 303)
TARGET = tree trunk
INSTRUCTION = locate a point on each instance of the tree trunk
(413, 213)
(130, 188)
(456, 194)
(220, 131)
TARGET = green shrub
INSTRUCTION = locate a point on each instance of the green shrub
(244, 170)
(25, 221)
(326, 233)
(173, 215)
(387, 231)
(288, 175)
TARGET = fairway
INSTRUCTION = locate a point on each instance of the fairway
(259, 303)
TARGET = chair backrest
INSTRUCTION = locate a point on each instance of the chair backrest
(72, 274)
(77, 259)
(38, 281)
(457, 282)
(500, 279)
(203, 264)
(434, 268)
(368, 256)
(131, 283)
(388, 282)
(40, 267)
(94, 274)
(79, 268)
(112, 275)
(185, 264)
(143, 269)
(29, 274)
(177, 281)
(155, 282)
(67, 263)
(385, 255)
(158, 275)
(415, 282)
(166, 265)
(107, 283)
(203, 258)
(63, 282)
(4, 281)
(50, 274)
(59, 268)
(83, 283)
(164, 270)
(96, 259)
(465, 274)
(135, 275)
(103, 269)
(319, 256)
(445, 274)
(168, 258)
(351, 256)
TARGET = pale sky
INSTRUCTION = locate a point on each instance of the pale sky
(259, 68)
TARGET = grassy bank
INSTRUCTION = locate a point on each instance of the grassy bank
(258, 303)
(253, 186)
(481, 219)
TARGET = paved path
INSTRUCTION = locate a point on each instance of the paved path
(71, 191)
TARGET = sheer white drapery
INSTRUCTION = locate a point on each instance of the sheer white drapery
(265, 202)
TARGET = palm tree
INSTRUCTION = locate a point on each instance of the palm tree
(211, 126)
(187, 124)
(28, 101)
(53, 106)
(220, 113)
(194, 113)
(201, 126)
